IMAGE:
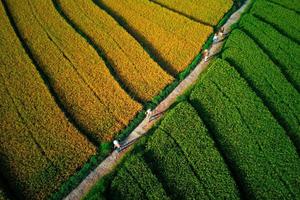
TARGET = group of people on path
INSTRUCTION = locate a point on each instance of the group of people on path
(218, 37)
(149, 117)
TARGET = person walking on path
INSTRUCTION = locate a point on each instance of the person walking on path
(117, 145)
(215, 38)
(221, 32)
(148, 114)
(205, 55)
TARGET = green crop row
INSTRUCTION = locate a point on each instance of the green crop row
(285, 20)
(266, 79)
(281, 49)
(137, 168)
(261, 155)
(124, 186)
(290, 4)
(39, 147)
(173, 169)
(132, 64)
(162, 32)
(74, 69)
(187, 129)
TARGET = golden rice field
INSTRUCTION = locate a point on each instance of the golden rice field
(74, 73)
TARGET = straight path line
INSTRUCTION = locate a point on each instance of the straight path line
(112, 160)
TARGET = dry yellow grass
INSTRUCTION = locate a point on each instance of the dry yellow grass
(39, 147)
(77, 73)
(133, 65)
(175, 38)
(207, 11)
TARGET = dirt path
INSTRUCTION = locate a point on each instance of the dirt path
(110, 162)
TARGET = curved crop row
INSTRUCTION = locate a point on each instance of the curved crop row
(280, 48)
(75, 71)
(133, 65)
(172, 168)
(291, 4)
(209, 12)
(39, 147)
(262, 156)
(126, 187)
(143, 177)
(172, 38)
(183, 124)
(285, 20)
(266, 79)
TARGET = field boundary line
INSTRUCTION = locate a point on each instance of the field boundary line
(281, 67)
(98, 50)
(146, 45)
(46, 80)
(182, 14)
(107, 165)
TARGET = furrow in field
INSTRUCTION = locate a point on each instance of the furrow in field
(141, 75)
(266, 79)
(256, 146)
(278, 17)
(205, 12)
(39, 147)
(283, 51)
(162, 32)
(184, 125)
(74, 70)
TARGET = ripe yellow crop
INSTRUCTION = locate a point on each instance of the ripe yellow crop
(206, 11)
(174, 38)
(133, 65)
(39, 147)
(78, 75)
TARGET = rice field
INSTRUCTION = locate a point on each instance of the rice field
(74, 74)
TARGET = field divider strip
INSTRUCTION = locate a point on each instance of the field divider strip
(46, 81)
(284, 6)
(276, 116)
(108, 164)
(98, 50)
(276, 28)
(233, 172)
(182, 14)
(39, 146)
(147, 46)
(272, 58)
(190, 163)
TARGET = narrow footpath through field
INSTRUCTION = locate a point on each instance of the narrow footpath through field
(111, 161)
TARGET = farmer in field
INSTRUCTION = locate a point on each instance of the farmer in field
(116, 145)
(205, 55)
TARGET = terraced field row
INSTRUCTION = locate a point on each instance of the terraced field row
(207, 12)
(132, 64)
(73, 76)
(32, 125)
(238, 149)
(236, 133)
(163, 33)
